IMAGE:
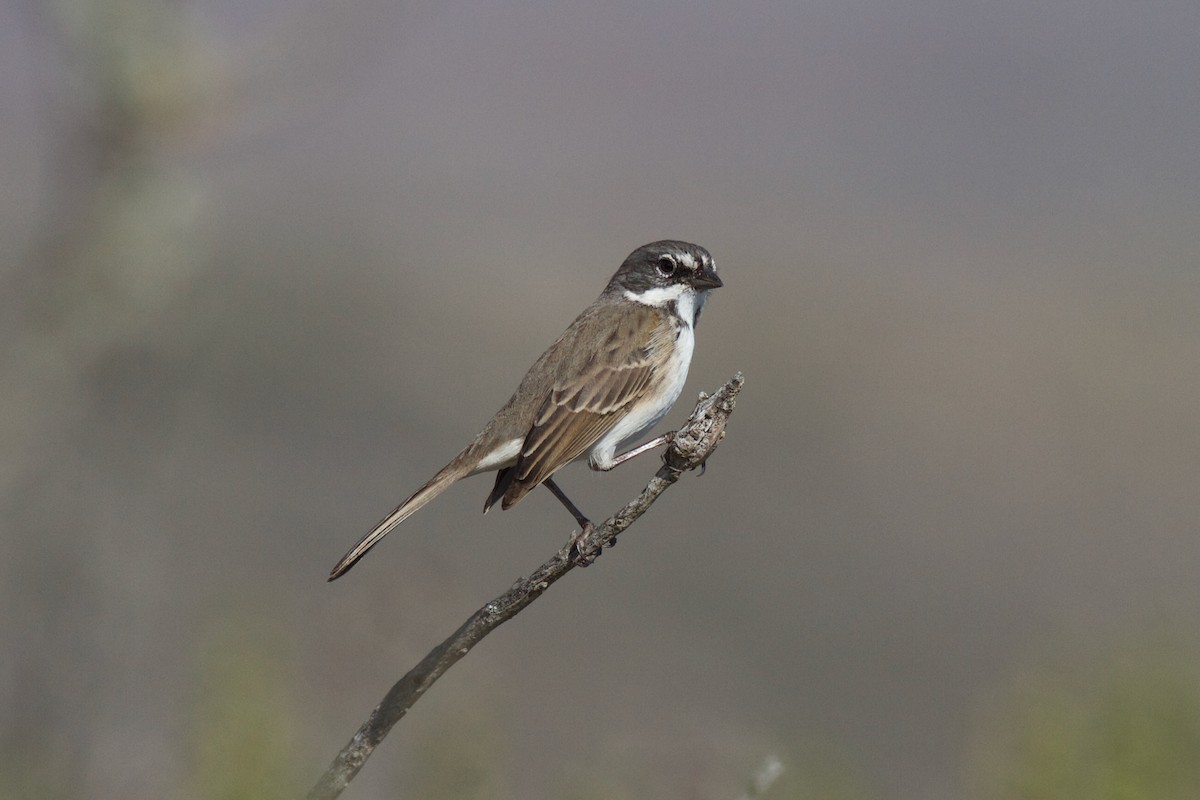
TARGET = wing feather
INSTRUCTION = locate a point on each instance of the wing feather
(582, 407)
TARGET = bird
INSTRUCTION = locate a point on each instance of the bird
(611, 377)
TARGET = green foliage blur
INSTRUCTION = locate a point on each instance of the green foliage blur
(1116, 723)
(189, 356)
(1117, 726)
(242, 724)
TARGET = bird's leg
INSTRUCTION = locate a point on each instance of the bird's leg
(585, 524)
(641, 448)
(583, 521)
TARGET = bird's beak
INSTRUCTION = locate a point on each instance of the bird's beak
(706, 278)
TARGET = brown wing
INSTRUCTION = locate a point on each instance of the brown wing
(586, 402)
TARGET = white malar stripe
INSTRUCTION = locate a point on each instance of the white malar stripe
(688, 301)
(660, 295)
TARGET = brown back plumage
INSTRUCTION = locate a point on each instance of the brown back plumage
(590, 394)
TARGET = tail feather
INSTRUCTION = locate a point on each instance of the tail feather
(503, 478)
(436, 485)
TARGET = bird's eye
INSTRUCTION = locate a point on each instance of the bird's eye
(666, 266)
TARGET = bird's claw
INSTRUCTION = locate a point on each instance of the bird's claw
(575, 547)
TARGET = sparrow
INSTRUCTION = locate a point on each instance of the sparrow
(613, 374)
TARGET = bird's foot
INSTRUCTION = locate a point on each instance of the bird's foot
(576, 547)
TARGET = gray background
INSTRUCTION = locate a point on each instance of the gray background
(267, 266)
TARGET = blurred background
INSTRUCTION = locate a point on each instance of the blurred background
(267, 266)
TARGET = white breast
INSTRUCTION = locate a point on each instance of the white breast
(646, 414)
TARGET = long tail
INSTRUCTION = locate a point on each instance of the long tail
(437, 484)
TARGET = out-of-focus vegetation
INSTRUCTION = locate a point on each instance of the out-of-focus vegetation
(1121, 723)
(1109, 726)
(961, 282)
(244, 718)
(125, 82)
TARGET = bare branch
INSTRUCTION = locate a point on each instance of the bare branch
(690, 448)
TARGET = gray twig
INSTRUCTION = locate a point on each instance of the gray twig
(690, 448)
